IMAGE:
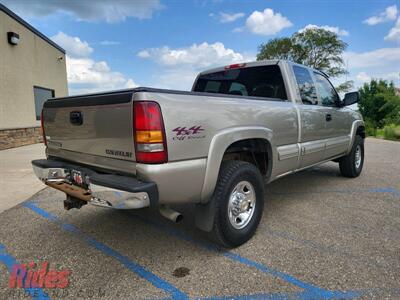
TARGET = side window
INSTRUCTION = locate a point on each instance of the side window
(306, 85)
(326, 91)
(41, 95)
(237, 89)
(212, 86)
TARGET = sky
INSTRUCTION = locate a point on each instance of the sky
(158, 43)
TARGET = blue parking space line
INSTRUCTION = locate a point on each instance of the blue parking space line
(312, 289)
(392, 191)
(125, 261)
(309, 295)
(327, 249)
(305, 295)
(9, 261)
(389, 190)
(310, 292)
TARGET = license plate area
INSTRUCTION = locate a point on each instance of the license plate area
(79, 179)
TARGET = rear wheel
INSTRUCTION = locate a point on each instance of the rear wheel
(239, 202)
(351, 165)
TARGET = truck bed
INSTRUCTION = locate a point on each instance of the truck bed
(105, 137)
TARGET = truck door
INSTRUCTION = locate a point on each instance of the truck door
(338, 121)
(313, 119)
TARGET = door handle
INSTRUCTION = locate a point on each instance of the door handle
(328, 117)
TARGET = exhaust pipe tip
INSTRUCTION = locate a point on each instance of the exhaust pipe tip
(171, 214)
(179, 218)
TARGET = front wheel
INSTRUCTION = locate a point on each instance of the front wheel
(351, 165)
(239, 202)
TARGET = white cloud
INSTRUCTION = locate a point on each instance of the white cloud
(102, 10)
(180, 66)
(337, 30)
(267, 22)
(72, 45)
(109, 43)
(130, 84)
(379, 64)
(363, 77)
(228, 18)
(389, 14)
(85, 75)
(383, 57)
(144, 54)
(199, 55)
(238, 29)
(394, 33)
(176, 78)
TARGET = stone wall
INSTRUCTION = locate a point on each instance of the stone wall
(10, 138)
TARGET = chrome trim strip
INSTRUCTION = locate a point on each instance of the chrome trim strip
(337, 142)
(288, 151)
(306, 167)
(313, 147)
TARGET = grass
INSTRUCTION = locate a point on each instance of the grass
(389, 132)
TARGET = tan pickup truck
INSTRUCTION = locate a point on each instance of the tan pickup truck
(240, 127)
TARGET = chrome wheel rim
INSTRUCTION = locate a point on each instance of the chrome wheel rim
(241, 206)
(358, 157)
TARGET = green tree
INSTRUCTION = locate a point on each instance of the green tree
(315, 47)
(279, 48)
(379, 103)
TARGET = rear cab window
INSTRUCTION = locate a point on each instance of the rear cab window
(261, 81)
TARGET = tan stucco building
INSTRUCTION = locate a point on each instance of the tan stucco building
(32, 69)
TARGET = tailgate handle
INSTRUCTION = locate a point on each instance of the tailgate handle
(76, 118)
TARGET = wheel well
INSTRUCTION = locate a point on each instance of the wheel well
(255, 151)
(361, 131)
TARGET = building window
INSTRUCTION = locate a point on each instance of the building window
(41, 95)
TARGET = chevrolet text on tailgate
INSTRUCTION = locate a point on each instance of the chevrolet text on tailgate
(240, 127)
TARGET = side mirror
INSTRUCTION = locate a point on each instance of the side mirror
(351, 98)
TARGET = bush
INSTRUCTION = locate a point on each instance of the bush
(391, 132)
(370, 130)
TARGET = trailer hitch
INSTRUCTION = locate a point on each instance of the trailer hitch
(72, 202)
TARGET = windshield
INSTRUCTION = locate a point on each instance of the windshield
(263, 81)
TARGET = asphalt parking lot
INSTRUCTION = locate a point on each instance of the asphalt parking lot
(322, 237)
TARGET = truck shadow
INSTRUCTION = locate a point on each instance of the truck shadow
(320, 178)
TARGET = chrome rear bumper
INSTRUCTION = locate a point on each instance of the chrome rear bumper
(106, 190)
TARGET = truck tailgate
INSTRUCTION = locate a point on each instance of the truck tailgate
(98, 125)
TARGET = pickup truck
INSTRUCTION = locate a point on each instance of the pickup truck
(241, 126)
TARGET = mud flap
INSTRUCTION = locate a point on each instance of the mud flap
(204, 216)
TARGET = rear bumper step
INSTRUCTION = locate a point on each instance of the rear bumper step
(107, 190)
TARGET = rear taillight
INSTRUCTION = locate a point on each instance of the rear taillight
(150, 143)
(42, 128)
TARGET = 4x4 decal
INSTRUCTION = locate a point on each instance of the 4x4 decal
(183, 133)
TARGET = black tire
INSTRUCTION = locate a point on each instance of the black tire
(347, 164)
(231, 174)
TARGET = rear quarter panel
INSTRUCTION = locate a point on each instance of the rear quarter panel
(214, 114)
